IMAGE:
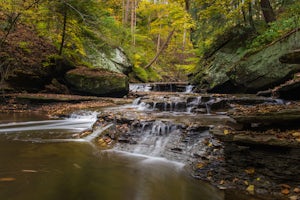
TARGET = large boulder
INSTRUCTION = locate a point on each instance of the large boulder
(231, 70)
(99, 82)
(113, 59)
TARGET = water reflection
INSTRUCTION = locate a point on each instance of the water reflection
(78, 171)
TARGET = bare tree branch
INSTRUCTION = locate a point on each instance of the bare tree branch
(161, 49)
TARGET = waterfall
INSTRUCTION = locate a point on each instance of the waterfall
(189, 89)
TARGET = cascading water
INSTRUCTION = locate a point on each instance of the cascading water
(189, 89)
(139, 87)
(59, 130)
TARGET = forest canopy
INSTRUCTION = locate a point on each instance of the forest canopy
(164, 39)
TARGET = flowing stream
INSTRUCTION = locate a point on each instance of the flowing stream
(41, 159)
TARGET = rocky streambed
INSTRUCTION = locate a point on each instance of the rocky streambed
(235, 142)
(239, 142)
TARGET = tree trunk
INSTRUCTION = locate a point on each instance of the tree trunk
(126, 12)
(133, 20)
(187, 5)
(161, 49)
(267, 11)
(63, 31)
(251, 21)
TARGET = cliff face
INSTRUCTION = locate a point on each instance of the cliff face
(230, 70)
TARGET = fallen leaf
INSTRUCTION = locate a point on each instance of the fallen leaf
(235, 180)
(250, 170)
(76, 166)
(297, 190)
(250, 189)
(226, 132)
(246, 182)
(200, 165)
(258, 178)
(29, 171)
(285, 191)
(285, 186)
(296, 134)
(222, 182)
(7, 179)
(293, 197)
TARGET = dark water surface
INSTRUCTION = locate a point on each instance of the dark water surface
(32, 167)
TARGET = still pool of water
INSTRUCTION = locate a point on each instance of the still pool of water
(32, 168)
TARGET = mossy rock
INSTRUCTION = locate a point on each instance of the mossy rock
(98, 82)
(231, 69)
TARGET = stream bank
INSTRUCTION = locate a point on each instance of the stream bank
(231, 141)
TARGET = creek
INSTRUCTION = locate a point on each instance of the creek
(41, 159)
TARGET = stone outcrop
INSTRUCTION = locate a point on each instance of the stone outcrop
(97, 82)
(267, 142)
(292, 57)
(113, 60)
(231, 69)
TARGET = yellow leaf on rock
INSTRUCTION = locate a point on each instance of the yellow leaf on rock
(200, 165)
(250, 170)
(250, 189)
(226, 132)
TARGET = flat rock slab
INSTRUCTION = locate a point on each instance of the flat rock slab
(288, 139)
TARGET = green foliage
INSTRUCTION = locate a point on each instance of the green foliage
(286, 22)
(140, 73)
(25, 46)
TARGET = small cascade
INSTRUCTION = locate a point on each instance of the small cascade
(164, 139)
(208, 106)
(191, 106)
(140, 87)
(189, 89)
(173, 104)
(161, 87)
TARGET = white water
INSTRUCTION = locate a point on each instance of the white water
(139, 87)
(54, 130)
(76, 122)
(189, 89)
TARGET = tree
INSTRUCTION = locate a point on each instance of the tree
(267, 11)
(14, 11)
